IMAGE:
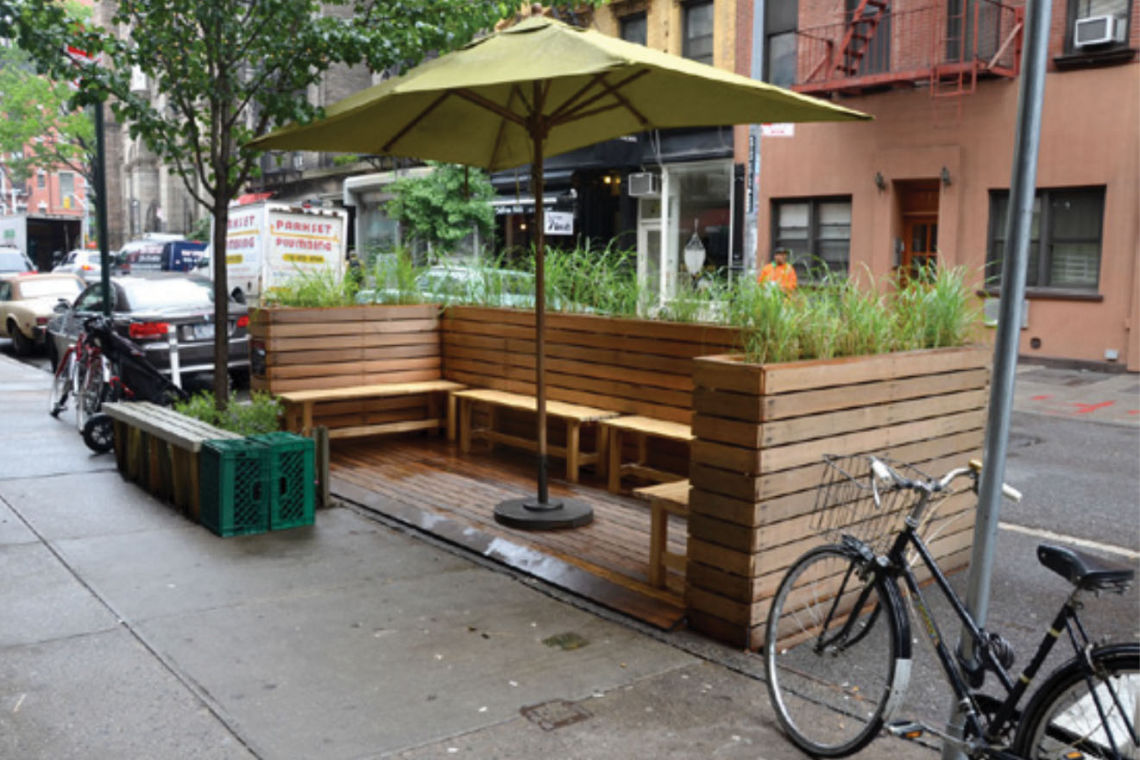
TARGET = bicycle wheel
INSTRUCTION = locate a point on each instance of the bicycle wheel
(1088, 715)
(61, 385)
(832, 653)
(93, 391)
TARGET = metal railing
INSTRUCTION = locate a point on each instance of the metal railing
(913, 45)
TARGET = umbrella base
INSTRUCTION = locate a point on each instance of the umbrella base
(530, 514)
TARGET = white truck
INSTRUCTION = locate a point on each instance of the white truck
(267, 243)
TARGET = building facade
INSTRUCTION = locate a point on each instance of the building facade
(928, 179)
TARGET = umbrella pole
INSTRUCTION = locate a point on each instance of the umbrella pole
(541, 513)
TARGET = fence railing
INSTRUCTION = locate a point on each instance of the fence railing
(912, 45)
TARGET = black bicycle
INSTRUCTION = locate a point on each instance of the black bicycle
(838, 647)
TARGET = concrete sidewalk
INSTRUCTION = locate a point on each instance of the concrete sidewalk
(129, 632)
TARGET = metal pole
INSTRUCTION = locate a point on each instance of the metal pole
(749, 256)
(101, 209)
(536, 181)
(1015, 261)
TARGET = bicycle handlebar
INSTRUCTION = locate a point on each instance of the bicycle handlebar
(884, 472)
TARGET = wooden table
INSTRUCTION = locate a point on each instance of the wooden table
(643, 428)
(573, 415)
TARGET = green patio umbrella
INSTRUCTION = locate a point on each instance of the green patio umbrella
(538, 89)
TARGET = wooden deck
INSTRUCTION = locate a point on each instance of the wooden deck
(425, 482)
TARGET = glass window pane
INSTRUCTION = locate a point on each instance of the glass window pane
(1074, 265)
(792, 219)
(782, 59)
(634, 29)
(1075, 216)
(698, 40)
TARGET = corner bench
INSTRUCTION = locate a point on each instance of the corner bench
(158, 448)
(643, 428)
(664, 499)
(299, 407)
(574, 415)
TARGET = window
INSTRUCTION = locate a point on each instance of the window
(66, 187)
(818, 233)
(1118, 31)
(41, 180)
(634, 28)
(698, 38)
(780, 42)
(1064, 242)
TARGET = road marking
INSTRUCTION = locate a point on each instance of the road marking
(1083, 542)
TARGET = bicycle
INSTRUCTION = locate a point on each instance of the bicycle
(838, 646)
(104, 366)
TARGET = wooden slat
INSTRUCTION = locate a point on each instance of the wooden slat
(797, 376)
(528, 403)
(371, 391)
(781, 432)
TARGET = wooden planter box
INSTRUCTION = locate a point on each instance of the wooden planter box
(294, 349)
(760, 432)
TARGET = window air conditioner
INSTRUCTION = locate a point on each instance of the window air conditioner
(1098, 30)
(644, 185)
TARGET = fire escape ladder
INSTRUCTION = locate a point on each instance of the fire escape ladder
(954, 71)
(857, 39)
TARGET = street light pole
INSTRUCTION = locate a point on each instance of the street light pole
(101, 209)
(1015, 262)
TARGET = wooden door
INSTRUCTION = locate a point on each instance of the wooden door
(920, 243)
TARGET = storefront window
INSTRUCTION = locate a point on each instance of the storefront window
(699, 223)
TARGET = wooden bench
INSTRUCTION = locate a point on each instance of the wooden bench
(574, 415)
(158, 448)
(299, 407)
(642, 428)
(664, 499)
(630, 366)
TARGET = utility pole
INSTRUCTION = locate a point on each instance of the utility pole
(1015, 262)
(752, 165)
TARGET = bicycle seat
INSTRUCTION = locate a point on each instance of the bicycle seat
(1084, 570)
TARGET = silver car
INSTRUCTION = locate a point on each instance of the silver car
(144, 309)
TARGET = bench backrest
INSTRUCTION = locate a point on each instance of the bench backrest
(303, 349)
(626, 365)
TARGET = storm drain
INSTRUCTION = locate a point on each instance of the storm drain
(555, 714)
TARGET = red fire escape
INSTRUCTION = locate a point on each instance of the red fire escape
(946, 46)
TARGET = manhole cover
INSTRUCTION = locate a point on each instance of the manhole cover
(566, 641)
(556, 714)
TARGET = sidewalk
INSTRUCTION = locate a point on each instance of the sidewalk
(131, 633)
(1112, 398)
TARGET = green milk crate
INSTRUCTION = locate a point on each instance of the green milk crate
(291, 475)
(233, 489)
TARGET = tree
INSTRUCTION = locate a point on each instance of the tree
(227, 72)
(442, 207)
(38, 128)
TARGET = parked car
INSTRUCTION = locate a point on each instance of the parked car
(85, 263)
(26, 304)
(143, 308)
(461, 284)
(12, 259)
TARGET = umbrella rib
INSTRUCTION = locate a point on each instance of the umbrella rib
(492, 106)
(570, 101)
(576, 112)
(411, 124)
(503, 127)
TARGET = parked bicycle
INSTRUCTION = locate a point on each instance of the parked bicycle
(838, 648)
(104, 366)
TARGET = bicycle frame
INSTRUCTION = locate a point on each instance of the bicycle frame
(990, 729)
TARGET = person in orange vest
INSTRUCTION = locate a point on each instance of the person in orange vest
(779, 271)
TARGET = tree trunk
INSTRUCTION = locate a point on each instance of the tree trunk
(221, 304)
